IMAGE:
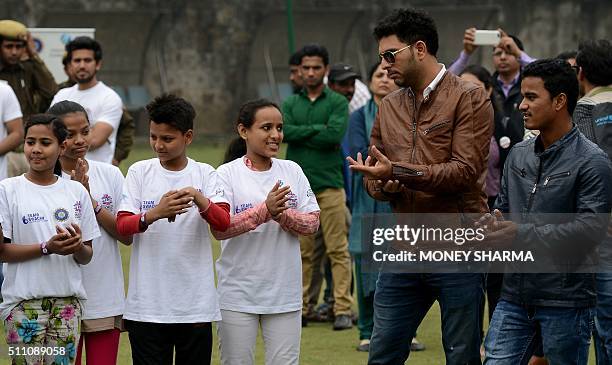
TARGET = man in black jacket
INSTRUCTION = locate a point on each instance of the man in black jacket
(560, 171)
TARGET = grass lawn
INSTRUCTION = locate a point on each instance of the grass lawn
(320, 344)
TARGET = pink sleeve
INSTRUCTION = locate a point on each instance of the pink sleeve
(245, 221)
(299, 223)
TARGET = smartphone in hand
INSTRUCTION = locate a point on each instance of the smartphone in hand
(487, 37)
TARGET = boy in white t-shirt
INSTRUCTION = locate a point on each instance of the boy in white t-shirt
(103, 105)
(11, 126)
(171, 299)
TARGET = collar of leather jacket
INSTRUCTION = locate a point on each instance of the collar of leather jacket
(567, 138)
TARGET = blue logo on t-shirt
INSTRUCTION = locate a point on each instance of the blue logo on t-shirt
(242, 207)
(293, 201)
(33, 218)
(147, 204)
(61, 215)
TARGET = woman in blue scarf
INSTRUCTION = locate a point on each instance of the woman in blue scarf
(359, 130)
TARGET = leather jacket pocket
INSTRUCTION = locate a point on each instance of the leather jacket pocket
(436, 126)
(552, 177)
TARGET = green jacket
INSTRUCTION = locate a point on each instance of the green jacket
(33, 84)
(313, 131)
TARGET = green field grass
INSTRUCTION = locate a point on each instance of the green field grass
(320, 345)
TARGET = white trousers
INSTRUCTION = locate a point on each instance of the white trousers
(281, 333)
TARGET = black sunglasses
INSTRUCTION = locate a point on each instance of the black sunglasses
(389, 56)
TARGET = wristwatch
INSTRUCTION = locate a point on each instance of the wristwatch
(44, 249)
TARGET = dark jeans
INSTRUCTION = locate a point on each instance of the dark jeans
(401, 302)
(154, 343)
(516, 331)
(603, 319)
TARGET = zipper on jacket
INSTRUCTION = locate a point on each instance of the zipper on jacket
(551, 177)
(535, 186)
(520, 172)
(435, 126)
(414, 136)
(414, 129)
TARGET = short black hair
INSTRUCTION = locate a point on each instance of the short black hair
(172, 110)
(58, 128)
(558, 77)
(296, 58)
(595, 59)
(314, 50)
(410, 26)
(566, 55)
(481, 74)
(84, 43)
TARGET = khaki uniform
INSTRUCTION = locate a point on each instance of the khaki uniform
(125, 136)
(34, 86)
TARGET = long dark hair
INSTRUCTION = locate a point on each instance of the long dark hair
(57, 127)
(246, 116)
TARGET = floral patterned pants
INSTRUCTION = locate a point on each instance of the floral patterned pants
(44, 331)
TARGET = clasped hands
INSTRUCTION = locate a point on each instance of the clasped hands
(376, 167)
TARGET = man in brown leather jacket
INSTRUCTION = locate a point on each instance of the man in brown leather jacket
(428, 154)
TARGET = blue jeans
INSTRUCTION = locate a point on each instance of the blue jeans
(402, 300)
(603, 319)
(515, 331)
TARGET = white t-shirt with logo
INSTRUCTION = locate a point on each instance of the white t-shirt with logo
(103, 276)
(29, 214)
(103, 105)
(9, 110)
(261, 271)
(171, 267)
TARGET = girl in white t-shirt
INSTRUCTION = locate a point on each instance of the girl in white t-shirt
(259, 271)
(103, 277)
(50, 224)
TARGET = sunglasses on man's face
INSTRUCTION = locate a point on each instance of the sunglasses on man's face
(389, 56)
